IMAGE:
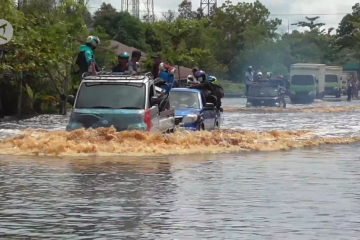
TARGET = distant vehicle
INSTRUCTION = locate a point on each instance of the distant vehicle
(333, 77)
(123, 101)
(191, 110)
(307, 82)
(268, 93)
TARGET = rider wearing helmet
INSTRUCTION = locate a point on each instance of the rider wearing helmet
(86, 55)
(259, 76)
(204, 85)
(217, 90)
(123, 60)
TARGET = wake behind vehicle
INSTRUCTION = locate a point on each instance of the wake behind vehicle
(307, 82)
(267, 93)
(333, 77)
(123, 101)
(191, 110)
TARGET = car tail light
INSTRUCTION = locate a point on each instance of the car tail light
(147, 119)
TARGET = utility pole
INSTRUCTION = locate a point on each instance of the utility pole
(207, 6)
(288, 26)
(139, 8)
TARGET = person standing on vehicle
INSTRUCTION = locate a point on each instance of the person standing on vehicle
(123, 60)
(135, 58)
(157, 62)
(194, 71)
(249, 77)
(86, 56)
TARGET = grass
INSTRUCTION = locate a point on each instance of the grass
(231, 88)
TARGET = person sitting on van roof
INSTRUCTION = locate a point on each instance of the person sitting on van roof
(135, 58)
(123, 60)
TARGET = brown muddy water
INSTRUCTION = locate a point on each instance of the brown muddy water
(247, 190)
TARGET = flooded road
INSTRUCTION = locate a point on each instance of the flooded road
(297, 194)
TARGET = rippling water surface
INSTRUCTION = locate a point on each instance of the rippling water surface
(299, 194)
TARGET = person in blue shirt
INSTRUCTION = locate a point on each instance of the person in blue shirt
(86, 55)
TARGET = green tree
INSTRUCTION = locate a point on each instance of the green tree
(124, 28)
(241, 25)
(310, 23)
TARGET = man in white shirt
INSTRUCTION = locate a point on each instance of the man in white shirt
(249, 77)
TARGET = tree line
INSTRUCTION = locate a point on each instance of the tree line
(36, 66)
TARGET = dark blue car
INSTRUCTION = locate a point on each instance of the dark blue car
(191, 110)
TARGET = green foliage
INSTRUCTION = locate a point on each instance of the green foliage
(47, 37)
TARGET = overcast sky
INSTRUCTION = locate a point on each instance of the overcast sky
(283, 9)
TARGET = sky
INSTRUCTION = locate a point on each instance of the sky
(290, 11)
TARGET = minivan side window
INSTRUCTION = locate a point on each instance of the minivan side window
(151, 93)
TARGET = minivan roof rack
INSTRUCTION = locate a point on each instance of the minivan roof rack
(121, 76)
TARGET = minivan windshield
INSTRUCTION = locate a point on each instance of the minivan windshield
(331, 78)
(181, 100)
(111, 95)
(302, 80)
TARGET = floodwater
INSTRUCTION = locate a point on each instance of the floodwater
(305, 193)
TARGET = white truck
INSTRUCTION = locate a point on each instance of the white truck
(333, 78)
(307, 82)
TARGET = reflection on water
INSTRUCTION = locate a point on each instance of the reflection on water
(307, 194)
(300, 194)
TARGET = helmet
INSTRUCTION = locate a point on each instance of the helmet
(268, 74)
(93, 41)
(190, 78)
(250, 68)
(259, 74)
(212, 79)
(281, 77)
(161, 67)
(200, 76)
(124, 55)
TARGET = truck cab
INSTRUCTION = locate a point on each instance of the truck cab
(268, 93)
(122, 101)
(307, 82)
(333, 78)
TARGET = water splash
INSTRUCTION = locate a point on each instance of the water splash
(108, 142)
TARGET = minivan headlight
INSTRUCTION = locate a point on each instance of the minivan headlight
(191, 118)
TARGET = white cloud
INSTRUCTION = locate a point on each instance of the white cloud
(331, 11)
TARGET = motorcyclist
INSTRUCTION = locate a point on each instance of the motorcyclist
(86, 56)
(205, 86)
(123, 60)
(217, 91)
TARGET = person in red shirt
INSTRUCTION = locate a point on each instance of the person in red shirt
(156, 69)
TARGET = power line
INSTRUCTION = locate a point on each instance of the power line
(271, 14)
